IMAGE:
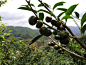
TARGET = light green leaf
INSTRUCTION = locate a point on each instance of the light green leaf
(58, 4)
(83, 19)
(67, 17)
(71, 9)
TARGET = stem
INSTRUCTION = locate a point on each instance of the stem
(68, 50)
(39, 19)
(82, 44)
(77, 24)
(45, 6)
(60, 31)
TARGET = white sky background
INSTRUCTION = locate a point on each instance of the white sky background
(18, 17)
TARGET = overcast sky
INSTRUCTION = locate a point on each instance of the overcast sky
(17, 17)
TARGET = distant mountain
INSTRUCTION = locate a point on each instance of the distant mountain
(25, 32)
(74, 29)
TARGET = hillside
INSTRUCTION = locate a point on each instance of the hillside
(23, 32)
(26, 33)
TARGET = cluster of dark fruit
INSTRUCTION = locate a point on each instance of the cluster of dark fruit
(39, 24)
(63, 35)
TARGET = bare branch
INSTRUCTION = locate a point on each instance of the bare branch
(68, 50)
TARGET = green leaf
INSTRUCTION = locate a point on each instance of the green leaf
(62, 9)
(47, 12)
(36, 38)
(71, 9)
(41, 16)
(83, 19)
(77, 14)
(83, 29)
(27, 8)
(27, 5)
(40, 5)
(58, 4)
(67, 17)
(32, 5)
(60, 14)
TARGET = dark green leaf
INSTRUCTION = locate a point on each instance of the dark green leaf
(62, 9)
(36, 38)
(32, 5)
(41, 16)
(83, 19)
(58, 4)
(77, 14)
(47, 12)
(83, 29)
(60, 14)
(40, 5)
(27, 8)
(71, 9)
(67, 17)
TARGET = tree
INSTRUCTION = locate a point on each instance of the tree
(58, 21)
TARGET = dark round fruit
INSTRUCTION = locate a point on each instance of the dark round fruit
(64, 41)
(48, 33)
(53, 22)
(64, 34)
(39, 24)
(43, 30)
(61, 28)
(32, 20)
(57, 24)
(51, 43)
(57, 37)
(55, 32)
(48, 19)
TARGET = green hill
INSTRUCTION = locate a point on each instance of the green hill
(23, 32)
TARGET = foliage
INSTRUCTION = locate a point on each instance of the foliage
(15, 51)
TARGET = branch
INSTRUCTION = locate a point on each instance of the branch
(59, 31)
(82, 44)
(68, 50)
(39, 19)
(45, 6)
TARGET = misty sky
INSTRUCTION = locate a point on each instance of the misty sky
(17, 17)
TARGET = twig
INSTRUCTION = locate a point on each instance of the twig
(59, 31)
(45, 6)
(39, 19)
(82, 44)
(68, 50)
